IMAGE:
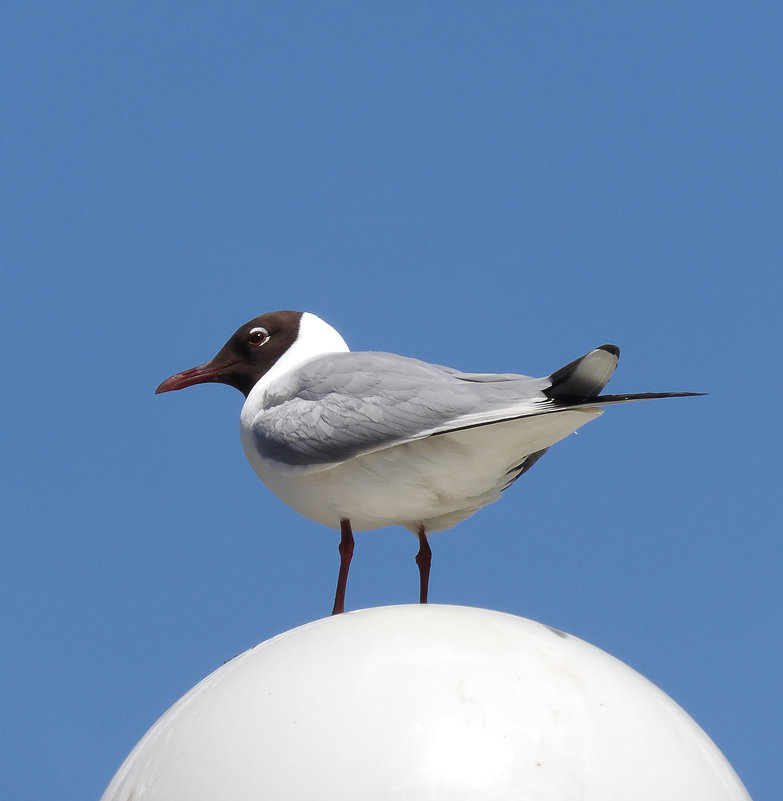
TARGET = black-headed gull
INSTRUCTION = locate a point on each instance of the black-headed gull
(357, 441)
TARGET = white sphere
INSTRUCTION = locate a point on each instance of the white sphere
(425, 702)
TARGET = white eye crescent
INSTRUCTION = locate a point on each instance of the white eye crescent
(258, 336)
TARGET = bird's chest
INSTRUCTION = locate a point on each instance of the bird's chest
(401, 485)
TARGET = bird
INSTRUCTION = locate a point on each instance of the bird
(358, 440)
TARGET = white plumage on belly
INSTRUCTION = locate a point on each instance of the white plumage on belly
(435, 482)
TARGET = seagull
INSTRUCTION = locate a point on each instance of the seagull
(361, 440)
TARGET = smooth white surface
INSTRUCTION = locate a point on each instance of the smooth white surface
(425, 702)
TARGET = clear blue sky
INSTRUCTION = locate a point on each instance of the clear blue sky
(492, 186)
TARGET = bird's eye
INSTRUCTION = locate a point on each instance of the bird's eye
(258, 336)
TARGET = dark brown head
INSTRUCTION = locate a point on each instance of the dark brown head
(252, 350)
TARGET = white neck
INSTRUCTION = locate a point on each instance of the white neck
(316, 338)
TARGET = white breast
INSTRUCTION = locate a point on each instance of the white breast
(435, 482)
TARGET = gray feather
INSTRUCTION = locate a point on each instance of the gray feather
(339, 406)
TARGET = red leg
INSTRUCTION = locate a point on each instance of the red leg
(423, 560)
(346, 552)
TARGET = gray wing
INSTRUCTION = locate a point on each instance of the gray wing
(345, 404)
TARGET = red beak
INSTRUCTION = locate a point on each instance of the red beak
(203, 374)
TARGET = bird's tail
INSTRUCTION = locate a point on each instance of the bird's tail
(580, 382)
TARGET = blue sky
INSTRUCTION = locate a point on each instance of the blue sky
(492, 186)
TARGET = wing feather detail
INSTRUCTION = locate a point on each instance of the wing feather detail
(343, 405)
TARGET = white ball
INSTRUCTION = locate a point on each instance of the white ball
(425, 702)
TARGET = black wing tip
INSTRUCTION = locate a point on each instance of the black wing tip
(563, 402)
(634, 396)
(613, 349)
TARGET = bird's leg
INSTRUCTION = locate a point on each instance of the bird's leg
(423, 560)
(346, 552)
